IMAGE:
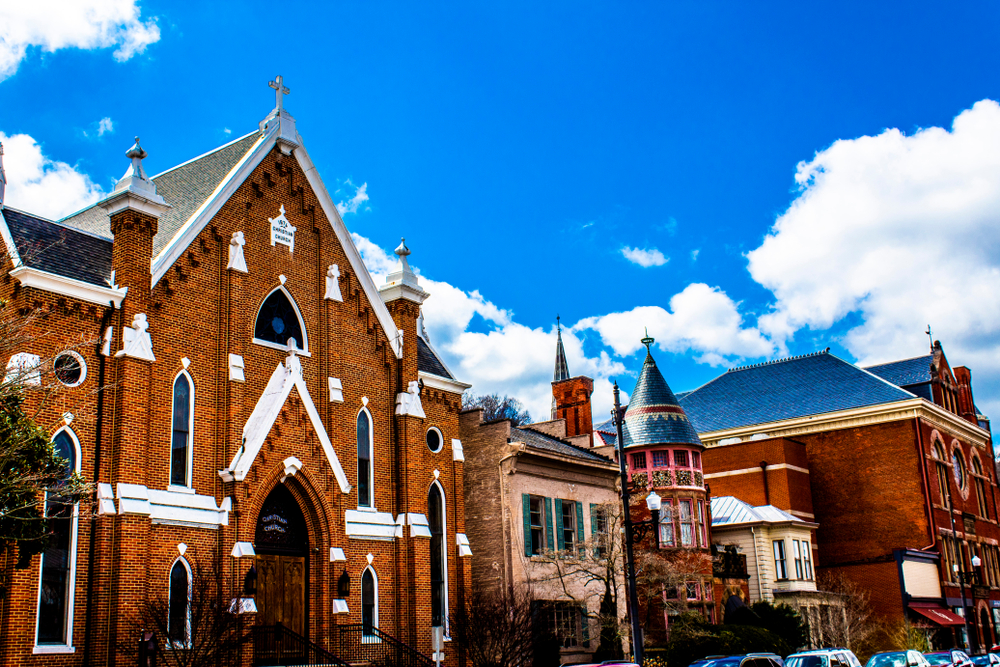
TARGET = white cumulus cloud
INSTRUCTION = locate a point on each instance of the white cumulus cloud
(38, 184)
(354, 201)
(51, 25)
(900, 231)
(644, 257)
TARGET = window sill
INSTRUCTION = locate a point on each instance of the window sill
(177, 488)
(283, 348)
(373, 510)
(53, 649)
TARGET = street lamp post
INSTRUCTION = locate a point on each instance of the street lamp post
(633, 598)
(959, 570)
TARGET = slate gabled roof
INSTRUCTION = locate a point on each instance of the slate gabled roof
(906, 371)
(786, 389)
(654, 417)
(540, 440)
(185, 187)
(428, 361)
(54, 248)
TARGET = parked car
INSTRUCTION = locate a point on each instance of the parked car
(898, 659)
(986, 660)
(773, 656)
(606, 663)
(825, 657)
(748, 660)
(949, 657)
(707, 659)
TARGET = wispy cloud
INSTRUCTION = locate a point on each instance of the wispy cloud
(353, 202)
(644, 257)
(226, 131)
(694, 254)
(82, 24)
(105, 125)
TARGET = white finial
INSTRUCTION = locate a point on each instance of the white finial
(137, 155)
(280, 90)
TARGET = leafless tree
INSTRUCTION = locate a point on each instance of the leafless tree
(848, 621)
(497, 407)
(496, 628)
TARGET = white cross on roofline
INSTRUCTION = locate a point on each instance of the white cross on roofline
(279, 91)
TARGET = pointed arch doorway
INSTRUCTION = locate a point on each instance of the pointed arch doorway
(282, 545)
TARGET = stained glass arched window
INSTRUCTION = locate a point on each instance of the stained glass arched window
(180, 436)
(179, 606)
(369, 602)
(436, 519)
(278, 321)
(364, 459)
(54, 622)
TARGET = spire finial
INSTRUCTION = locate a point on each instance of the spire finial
(402, 249)
(647, 341)
(558, 326)
(280, 90)
(931, 336)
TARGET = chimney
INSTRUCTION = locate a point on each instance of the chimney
(572, 401)
(966, 406)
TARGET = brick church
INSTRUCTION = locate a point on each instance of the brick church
(257, 415)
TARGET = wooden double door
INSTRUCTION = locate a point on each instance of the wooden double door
(281, 591)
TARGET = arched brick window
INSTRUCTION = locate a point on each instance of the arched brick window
(365, 470)
(182, 420)
(941, 467)
(179, 605)
(979, 480)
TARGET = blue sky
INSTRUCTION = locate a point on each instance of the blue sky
(527, 152)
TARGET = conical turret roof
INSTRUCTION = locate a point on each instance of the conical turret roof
(654, 417)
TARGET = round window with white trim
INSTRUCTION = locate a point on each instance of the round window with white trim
(434, 440)
(70, 368)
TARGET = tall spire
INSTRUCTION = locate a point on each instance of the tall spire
(562, 368)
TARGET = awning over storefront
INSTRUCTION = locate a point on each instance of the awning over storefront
(937, 613)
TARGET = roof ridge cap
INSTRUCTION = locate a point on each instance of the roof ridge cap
(899, 361)
(778, 361)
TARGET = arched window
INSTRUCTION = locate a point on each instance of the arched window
(279, 320)
(958, 468)
(942, 474)
(977, 471)
(179, 606)
(365, 482)
(439, 556)
(54, 623)
(369, 602)
(180, 438)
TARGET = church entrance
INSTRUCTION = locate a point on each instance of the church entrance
(282, 545)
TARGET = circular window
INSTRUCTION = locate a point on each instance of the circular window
(70, 368)
(958, 467)
(434, 440)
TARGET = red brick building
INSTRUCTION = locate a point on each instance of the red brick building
(249, 403)
(892, 462)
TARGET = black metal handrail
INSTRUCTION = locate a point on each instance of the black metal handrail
(368, 644)
(278, 645)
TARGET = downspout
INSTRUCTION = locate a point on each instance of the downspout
(767, 493)
(101, 363)
(927, 489)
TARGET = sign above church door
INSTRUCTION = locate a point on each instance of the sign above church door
(282, 230)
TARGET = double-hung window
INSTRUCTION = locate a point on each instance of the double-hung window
(667, 525)
(797, 557)
(780, 568)
(536, 514)
(807, 560)
(685, 518)
(599, 529)
(567, 535)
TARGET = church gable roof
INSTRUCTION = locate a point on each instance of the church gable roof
(429, 362)
(906, 371)
(786, 389)
(54, 248)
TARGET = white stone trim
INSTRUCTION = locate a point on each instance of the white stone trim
(419, 526)
(74, 289)
(105, 499)
(757, 469)
(340, 607)
(367, 525)
(237, 368)
(285, 377)
(457, 450)
(241, 549)
(463, 544)
(303, 349)
(442, 383)
(336, 390)
(337, 555)
(172, 507)
(855, 417)
(440, 439)
(408, 402)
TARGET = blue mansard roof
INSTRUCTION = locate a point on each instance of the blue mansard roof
(913, 374)
(654, 417)
(786, 389)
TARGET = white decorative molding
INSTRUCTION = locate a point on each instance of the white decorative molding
(292, 466)
(281, 278)
(463, 544)
(168, 507)
(136, 341)
(336, 390)
(185, 362)
(364, 401)
(756, 469)
(109, 335)
(236, 260)
(457, 451)
(236, 368)
(67, 418)
(337, 555)
(182, 548)
(340, 607)
(133, 499)
(370, 558)
(105, 499)
(443, 383)
(419, 526)
(437, 473)
(362, 525)
(24, 368)
(333, 284)
(282, 231)
(286, 376)
(242, 549)
(408, 402)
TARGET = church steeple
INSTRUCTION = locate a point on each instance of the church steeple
(562, 368)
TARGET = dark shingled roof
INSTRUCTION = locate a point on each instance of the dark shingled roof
(785, 389)
(428, 361)
(654, 417)
(905, 372)
(185, 188)
(540, 440)
(51, 247)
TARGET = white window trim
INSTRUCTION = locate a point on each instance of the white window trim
(369, 639)
(440, 439)
(304, 349)
(187, 621)
(444, 549)
(188, 483)
(371, 460)
(83, 368)
(71, 584)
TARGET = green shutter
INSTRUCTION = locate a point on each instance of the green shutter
(559, 526)
(585, 626)
(548, 525)
(595, 536)
(579, 529)
(526, 501)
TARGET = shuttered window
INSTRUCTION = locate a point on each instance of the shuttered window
(534, 526)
